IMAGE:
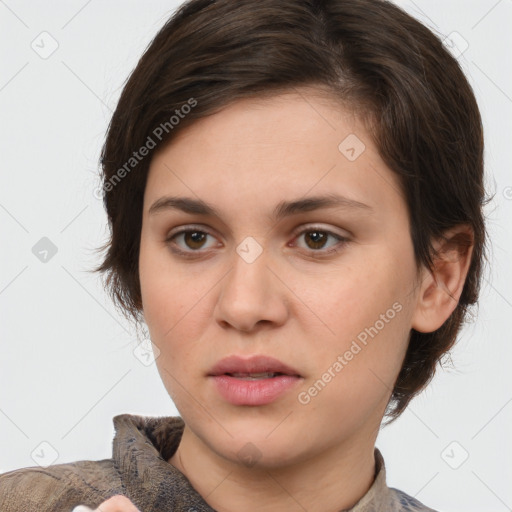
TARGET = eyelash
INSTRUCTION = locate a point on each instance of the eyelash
(342, 241)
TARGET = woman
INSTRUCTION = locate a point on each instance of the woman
(295, 192)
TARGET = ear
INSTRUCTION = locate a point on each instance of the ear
(440, 290)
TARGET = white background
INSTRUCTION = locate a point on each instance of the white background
(66, 357)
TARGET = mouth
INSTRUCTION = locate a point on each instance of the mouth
(254, 368)
(256, 381)
(255, 376)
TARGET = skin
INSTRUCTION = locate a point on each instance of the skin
(290, 303)
(117, 504)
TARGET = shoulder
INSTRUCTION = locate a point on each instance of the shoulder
(406, 503)
(60, 487)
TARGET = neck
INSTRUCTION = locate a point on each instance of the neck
(329, 482)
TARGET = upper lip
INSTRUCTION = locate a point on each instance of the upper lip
(253, 364)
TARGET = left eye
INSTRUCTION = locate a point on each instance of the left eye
(317, 239)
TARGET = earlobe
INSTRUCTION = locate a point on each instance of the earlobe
(440, 290)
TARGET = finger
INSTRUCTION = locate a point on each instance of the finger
(117, 504)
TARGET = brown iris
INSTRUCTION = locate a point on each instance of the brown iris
(194, 239)
(318, 238)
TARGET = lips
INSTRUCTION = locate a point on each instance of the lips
(255, 381)
(255, 366)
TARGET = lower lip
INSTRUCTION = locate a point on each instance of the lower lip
(253, 392)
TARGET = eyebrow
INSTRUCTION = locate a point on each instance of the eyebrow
(282, 209)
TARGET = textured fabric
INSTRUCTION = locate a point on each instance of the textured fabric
(139, 470)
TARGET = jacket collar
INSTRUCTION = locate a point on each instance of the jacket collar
(143, 445)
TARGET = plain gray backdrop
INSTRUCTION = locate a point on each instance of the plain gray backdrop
(68, 360)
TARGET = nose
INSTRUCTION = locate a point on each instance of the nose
(252, 295)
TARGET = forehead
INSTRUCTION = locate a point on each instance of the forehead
(262, 150)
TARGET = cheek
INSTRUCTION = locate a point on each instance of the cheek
(368, 308)
(176, 308)
(354, 297)
(165, 290)
(161, 303)
(168, 311)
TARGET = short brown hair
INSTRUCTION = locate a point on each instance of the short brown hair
(371, 56)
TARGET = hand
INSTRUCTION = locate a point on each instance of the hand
(115, 504)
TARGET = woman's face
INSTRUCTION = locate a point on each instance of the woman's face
(242, 263)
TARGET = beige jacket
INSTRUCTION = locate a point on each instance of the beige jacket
(139, 470)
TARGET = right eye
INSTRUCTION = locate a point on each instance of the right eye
(189, 241)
